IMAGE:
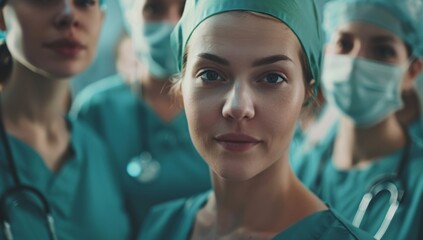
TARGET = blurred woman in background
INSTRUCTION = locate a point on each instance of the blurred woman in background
(141, 122)
(56, 179)
(369, 166)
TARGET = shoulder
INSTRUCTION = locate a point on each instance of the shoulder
(85, 139)
(172, 220)
(341, 228)
(323, 225)
(99, 93)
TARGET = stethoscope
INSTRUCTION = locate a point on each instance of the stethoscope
(20, 188)
(392, 183)
(143, 167)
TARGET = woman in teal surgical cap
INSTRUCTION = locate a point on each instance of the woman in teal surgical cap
(143, 125)
(247, 68)
(370, 158)
(56, 179)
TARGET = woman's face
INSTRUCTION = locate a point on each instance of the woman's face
(162, 10)
(57, 37)
(370, 42)
(363, 40)
(242, 90)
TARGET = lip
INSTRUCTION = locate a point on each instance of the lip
(237, 142)
(67, 47)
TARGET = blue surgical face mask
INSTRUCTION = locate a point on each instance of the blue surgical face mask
(364, 90)
(152, 45)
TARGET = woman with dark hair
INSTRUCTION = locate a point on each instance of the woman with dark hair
(55, 173)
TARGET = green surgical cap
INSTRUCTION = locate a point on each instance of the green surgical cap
(404, 18)
(301, 16)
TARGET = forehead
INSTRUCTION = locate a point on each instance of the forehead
(244, 33)
(367, 32)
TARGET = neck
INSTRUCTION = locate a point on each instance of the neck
(156, 93)
(33, 97)
(358, 147)
(155, 88)
(33, 107)
(266, 204)
(410, 112)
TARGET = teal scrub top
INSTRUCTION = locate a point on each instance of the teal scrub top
(344, 189)
(174, 220)
(85, 200)
(123, 119)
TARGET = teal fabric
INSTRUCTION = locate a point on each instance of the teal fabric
(86, 202)
(102, 3)
(401, 17)
(343, 190)
(114, 111)
(300, 15)
(174, 220)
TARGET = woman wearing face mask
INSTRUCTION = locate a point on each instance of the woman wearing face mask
(141, 122)
(247, 69)
(56, 179)
(371, 58)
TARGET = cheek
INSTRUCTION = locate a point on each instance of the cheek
(93, 30)
(280, 115)
(197, 107)
(202, 111)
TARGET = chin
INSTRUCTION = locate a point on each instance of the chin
(236, 173)
(66, 71)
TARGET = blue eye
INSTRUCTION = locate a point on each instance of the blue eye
(210, 76)
(385, 52)
(274, 78)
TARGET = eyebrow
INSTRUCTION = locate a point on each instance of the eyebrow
(383, 39)
(270, 60)
(214, 58)
(257, 63)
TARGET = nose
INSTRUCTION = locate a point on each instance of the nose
(65, 17)
(359, 50)
(239, 103)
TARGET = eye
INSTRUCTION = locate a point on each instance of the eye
(153, 10)
(385, 52)
(344, 45)
(85, 3)
(209, 76)
(274, 78)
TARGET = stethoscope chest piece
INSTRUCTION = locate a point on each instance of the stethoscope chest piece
(144, 168)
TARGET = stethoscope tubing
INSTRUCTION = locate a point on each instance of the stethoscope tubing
(19, 188)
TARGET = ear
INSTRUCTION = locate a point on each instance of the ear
(309, 93)
(415, 68)
(310, 89)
